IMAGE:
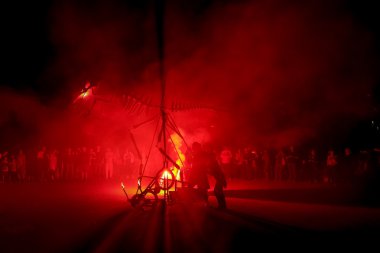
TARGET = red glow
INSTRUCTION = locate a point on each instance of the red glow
(177, 145)
(165, 181)
(85, 94)
(87, 91)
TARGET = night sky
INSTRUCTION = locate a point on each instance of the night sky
(26, 49)
(321, 56)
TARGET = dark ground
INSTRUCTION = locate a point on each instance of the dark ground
(261, 216)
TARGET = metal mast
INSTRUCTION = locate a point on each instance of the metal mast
(160, 11)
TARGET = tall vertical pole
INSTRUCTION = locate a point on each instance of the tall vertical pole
(161, 55)
(160, 10)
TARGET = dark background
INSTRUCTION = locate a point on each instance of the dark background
(27, 48)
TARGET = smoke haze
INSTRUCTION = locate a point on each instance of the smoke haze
(264, 71)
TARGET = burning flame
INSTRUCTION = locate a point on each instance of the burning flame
(165, 180)
(165, 176)
(178, 143)
(86, 91)
(85, 94)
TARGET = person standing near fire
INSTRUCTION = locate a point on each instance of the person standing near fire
(198, 171)
(215, 170)
(204, 162)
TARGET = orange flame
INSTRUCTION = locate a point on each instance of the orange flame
(178, 143)
(86, 91)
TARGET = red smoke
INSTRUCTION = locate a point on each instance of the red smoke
(277, 73)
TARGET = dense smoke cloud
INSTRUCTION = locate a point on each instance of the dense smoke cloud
(283, 70)
(276, 73)
(26, 122)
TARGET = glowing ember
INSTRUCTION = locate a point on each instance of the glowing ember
(166, 175)
(86, 91)
(166, 180)
(85, 94)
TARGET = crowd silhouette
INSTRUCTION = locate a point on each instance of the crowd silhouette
(288, 164)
